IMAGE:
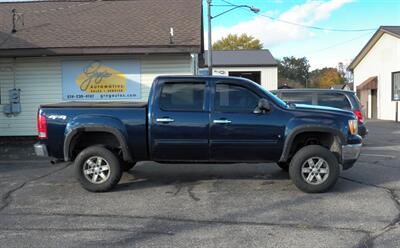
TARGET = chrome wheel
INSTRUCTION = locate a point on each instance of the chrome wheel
(315, 170)
(96, 170)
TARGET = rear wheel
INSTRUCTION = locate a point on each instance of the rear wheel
(97, 169)
(314, 169)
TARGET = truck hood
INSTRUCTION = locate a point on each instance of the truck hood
(323, 109)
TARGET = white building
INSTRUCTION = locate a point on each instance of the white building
(90, 50)
(377, 73)
(257, 65)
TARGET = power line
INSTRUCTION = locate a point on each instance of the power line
(318, 28)
(340, 43)
(308, 26)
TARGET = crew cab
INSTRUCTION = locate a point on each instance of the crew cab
(194, 119)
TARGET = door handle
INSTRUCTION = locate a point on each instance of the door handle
(165, 120)
(222, 121)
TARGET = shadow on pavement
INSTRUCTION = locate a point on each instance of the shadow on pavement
(150, 174)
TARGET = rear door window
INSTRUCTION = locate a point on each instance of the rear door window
(182, 96)
(297, 97)
(334, 100)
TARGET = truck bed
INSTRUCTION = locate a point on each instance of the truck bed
(128, 118)
(103, 104)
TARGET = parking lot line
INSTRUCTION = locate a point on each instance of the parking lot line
(377, 155)
(380, 148)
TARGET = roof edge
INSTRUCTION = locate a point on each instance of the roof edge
(368, 46)
(60, 51)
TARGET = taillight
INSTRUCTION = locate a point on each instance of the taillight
(359, 115)
(42, 126)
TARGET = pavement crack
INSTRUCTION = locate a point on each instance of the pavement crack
(7, 197)
(190, 186)
(191, 194)
(368, 240)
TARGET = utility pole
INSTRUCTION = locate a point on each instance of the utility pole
(209, 55)
(210, 17)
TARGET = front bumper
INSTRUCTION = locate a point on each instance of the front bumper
(350, 154)
(40, 149)
(362, 130)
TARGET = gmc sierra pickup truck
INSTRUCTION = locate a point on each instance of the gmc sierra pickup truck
(197, 120)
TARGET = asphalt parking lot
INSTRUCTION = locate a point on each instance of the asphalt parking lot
(236, 205)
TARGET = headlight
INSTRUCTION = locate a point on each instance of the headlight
(353, 126)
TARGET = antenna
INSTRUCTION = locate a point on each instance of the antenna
(16, 17)
(171, 35)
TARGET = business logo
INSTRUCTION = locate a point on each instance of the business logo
(107, 79)
(98, 78)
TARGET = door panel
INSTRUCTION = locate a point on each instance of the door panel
(180, 126)
(236, 133)
(247, 137)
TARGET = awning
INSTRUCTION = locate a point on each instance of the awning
(369, 84)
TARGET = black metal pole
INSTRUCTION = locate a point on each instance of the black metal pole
(209, 55)
(397, 111)
(14, 29)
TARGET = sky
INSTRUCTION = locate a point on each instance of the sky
(323, 48)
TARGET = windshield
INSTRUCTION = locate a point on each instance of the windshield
(273, 97)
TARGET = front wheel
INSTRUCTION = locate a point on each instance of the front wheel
(97, 169)
(314, 169)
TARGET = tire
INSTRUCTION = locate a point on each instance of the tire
(283, 165)
(107, 174)
(316, 180)
(127, 166)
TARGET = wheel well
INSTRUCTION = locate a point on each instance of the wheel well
(83, 140)
(325, 139)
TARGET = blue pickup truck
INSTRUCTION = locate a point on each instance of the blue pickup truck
(200, 120)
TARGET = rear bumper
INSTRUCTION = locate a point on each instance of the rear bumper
(40, 149)
(350, 154)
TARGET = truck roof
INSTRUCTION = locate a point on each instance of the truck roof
(97, 104)
(197, 77)
(313, 90)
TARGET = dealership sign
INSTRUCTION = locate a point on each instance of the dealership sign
(84, 80)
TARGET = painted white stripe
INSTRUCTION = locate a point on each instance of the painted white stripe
(380, 148)
(377, 155)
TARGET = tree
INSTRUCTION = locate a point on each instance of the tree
(293, 71)
(326, 77)
(345, 72)
(235, 42)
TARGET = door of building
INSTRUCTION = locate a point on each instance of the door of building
(374, 104)
(254, 76)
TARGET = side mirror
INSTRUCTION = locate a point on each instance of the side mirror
(262, 107)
